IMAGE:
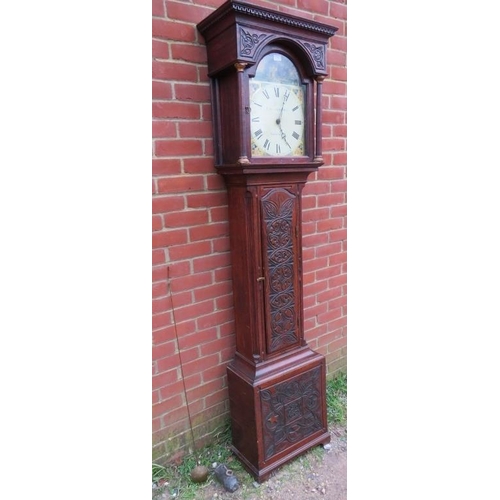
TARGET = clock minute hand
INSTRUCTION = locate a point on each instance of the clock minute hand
(278, 122)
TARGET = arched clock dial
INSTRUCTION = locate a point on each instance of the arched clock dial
(277, 112)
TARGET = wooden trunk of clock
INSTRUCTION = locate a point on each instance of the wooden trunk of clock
(276, 382)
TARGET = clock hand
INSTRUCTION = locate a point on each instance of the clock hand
(278, 122)
(283, 135)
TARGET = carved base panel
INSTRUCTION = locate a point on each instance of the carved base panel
(277, 417)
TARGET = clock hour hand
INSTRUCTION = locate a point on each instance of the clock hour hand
(283, 135)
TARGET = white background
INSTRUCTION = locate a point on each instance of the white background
(75, 205)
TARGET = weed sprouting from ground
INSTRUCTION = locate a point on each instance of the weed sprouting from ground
(336, 399)
(176, 479)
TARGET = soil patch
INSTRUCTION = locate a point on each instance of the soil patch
(320, 473)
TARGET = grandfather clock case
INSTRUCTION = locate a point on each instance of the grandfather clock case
(266, 70)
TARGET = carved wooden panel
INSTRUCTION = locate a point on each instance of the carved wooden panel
(291, 411)
(279, 235)
(250, 40)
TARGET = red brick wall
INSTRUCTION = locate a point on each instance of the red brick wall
(192, 290)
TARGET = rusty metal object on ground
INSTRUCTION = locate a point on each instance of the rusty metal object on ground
(226, 477)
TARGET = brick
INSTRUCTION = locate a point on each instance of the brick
(188, 52)
(163, 70)
(214, 319)
(217, 397)
(157, 223)
(339, 42)
(166, 349)
(161, 90)
(340, 159)
(193, 311)
(213, 291)
(167, 166)
(221, 245)
(333, 117)
(186, 355)
(317, 188)
(186, 12)
(329, 224)
(295, 12)
(178, 269)
(161, 204)
(198, 337)
(208, 147)
(192, 281)
(171, 30)
(158, 257)
(315, 214)
(173, 413)
(191, 250)
(160, 50)
(336, 58)
(210, 262)
(215, 183)
(159, 290)
(167, 406)
(192, 92)
(327, 250)
(313, 240)
(204, 390)
(181, 184)
(337, 258)
(316, 6)
(340, 130)
(215, 371)
(331, 173)
(186, 218)
(208, 199)
(338, 10)
(161, 320)
(158, 8)
(332, 296)
(181, 110)
(169, 238)
(327, 272)
(338, 102)
(165, 378)
(163, 128)
(199, 165)
(196, 129)
(178, 147)
(202, 363)
(209, 231)
(331, 316)
(337, 280)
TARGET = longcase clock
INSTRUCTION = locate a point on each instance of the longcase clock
(266, 70)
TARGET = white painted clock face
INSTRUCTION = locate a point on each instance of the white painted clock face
(277, 120)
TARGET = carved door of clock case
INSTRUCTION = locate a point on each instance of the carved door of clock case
(281, 249)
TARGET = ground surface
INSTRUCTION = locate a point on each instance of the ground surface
(315, 475)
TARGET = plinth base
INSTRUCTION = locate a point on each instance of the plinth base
(277, 413)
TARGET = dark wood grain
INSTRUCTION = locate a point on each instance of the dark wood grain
(276, 382)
